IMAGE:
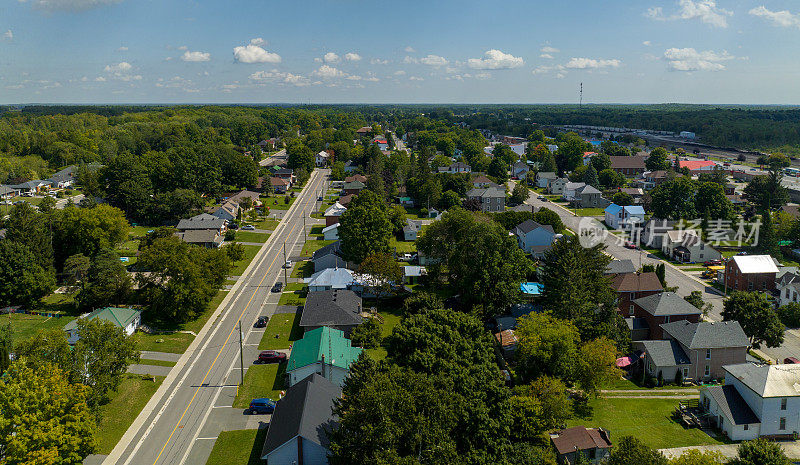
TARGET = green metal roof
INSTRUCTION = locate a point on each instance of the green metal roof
(323, 341)
(120, 317)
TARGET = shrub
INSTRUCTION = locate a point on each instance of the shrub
(790, 315)
(367, 334)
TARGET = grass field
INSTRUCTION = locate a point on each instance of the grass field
(197, 324)
(26, 326)
(241, 265)
(402, 246)
(58, 303)
(625, 417)
(281, 331)
(312, 246)
(158, 363)
(116, 416)
(277, 202)
(391, 317)
(589, 211)
(261, 381)
(303, 269)
(175, 343)
(269, 224)
(250, 236)
(294, 294)
(238, 447)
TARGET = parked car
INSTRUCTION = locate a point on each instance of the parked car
(262, 405)
(542, 198)
(248, 227)
(320, 198)
(271, 356)
(791, 360)
(277, 287)
(288, 264)
(630, 245)
(261, 322)
(713, 263)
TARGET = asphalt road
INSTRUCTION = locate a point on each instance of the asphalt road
(168, 428)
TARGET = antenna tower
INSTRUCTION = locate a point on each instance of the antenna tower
(580, 104)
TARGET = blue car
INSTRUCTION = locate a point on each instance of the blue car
(263, 405)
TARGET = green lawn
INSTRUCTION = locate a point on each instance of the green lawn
(269, 224)
(158, 363)
(175, 343)
(128, 248)
(317, 232)
(647, 419)
(261, 381)
(238, 447)
(241, 265)
(281, 331)
(250, 236)
(312, 246)
(294, 294)
(391, 317)
(277, 202)
(303, 269)
(139, 231)
(116, 416)
(26, 326)
(403, 246)
(589, 211)
(57, 303)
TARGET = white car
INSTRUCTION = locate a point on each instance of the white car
(288, 264)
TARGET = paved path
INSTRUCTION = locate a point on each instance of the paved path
(155, 370)
(163, 356)
(790, 448)
(183, 418)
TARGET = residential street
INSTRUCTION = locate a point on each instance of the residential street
(183, 418)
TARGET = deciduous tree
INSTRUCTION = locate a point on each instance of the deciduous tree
(756, 316)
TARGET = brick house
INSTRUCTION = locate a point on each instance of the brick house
(628, 165)
(750, 273)
(632, 286)
(709, 346)
(665, 307)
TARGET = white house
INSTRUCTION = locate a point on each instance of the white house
(322, 158)
(126, 318)
(228, 211)
(627, 217)
(534, 238)
(570, 188)
(557, 185)
(411, 230)
(686, 246)
(331, 233)
(543, 178)
(788, 286)
(756, 400)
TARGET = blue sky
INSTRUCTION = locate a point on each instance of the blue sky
(266, 51)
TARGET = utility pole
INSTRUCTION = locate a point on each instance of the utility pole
(285, 277)
(304, 223)
(241, 356)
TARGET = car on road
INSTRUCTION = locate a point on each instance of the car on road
(277, 287)
(261, 322)
(261, 405)
(542, 198)
(713, 263)
(248, 227)
(320, 198)
(287, 264)
(630, 245)
(271, 356)
(791, 361)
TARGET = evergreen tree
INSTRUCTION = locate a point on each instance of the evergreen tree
(590, 177)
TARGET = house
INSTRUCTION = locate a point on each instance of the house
(345, 200)
(330, 278)
(627, 217)
(412, 274)
(620, 267)
(246, 194)
(411, 230)
(383, 144)
(593, 443)
(228, 211)
(654, 230)
(328, 257)
(331, 233)
(457, 167)
(543, 178)
(322, 158)
(356, 177)
(750, 272)
(519, 170)
(587, 157)
(709, 346)
(364, 130)
(660, 308)
(788, 287)
(337, 308)
(632, 286)
(492, 199)
(507, 341)
(279, 185)
(64, 178)
(636, 192)
(533, 237)
(333, 213)
(353, 187)
(350, 166)
(757, 400)
(557, 186)
(570, 188)
(208, 238)
(285, 173)
(481, 182)
(298, 429)
(30, 188)
(588, 197)
(665, 357)
(697, 165)
(7, 192)
(628, 165)
(685, 246)
(653, 178)
(324, 351)
(202, 221)
(128, 319)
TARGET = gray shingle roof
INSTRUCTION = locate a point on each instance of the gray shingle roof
(666, 303)
(529, 225)
(587, 189)
(621, 267)
(332, 248)
(332, 308)
(732, 404)
(707, 335)
(666, 353)
(306, 410)
(201, 221)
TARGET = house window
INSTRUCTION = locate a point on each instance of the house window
(708, 354)
(746, 427)
(702, 246)
(666, 319)
(787, 293)
(763, 284)
(685, 373)
(707, 371)
(630, 311)
(633, 295)
(783, 404)
(783, 424)
(750, 285)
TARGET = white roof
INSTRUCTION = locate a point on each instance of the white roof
(768, 380)
(755, 264)
(331, 227)
(323, 154)
(335, 210)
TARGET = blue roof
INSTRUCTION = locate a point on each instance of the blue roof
(531, 288)
(629, 209)
(613, 209)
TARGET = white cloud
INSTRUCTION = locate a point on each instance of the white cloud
(196, 56)
(327, 72)
(409, 49)
(409, 60)
(548, 69)
(353, 77)
(483, 76)
(371, 79)
(183, 47)
(416, 78)
(258, 42)
(378, 61)
(121, 71)
(352, 56)
(8, 35)
(547, 56)
(591, 63)
(399, 72)
(122, 67)
(280, 77)
(122, 49)
(331, 57)
(433, 60)
(778, 18)
(549, 49)
(68, 5)
(495, 59)
(100, 79)
(254, 53)
(646, 43)
(689, 59)
(705, 10)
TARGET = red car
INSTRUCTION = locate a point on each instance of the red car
(630, 245)
(271, 356)
(791, 360)
(713, 263)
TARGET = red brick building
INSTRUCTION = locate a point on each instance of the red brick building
(666, 307)
(631, 286)
(750, 273)
(628, 165)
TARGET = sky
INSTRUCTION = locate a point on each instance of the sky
(436, 51)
